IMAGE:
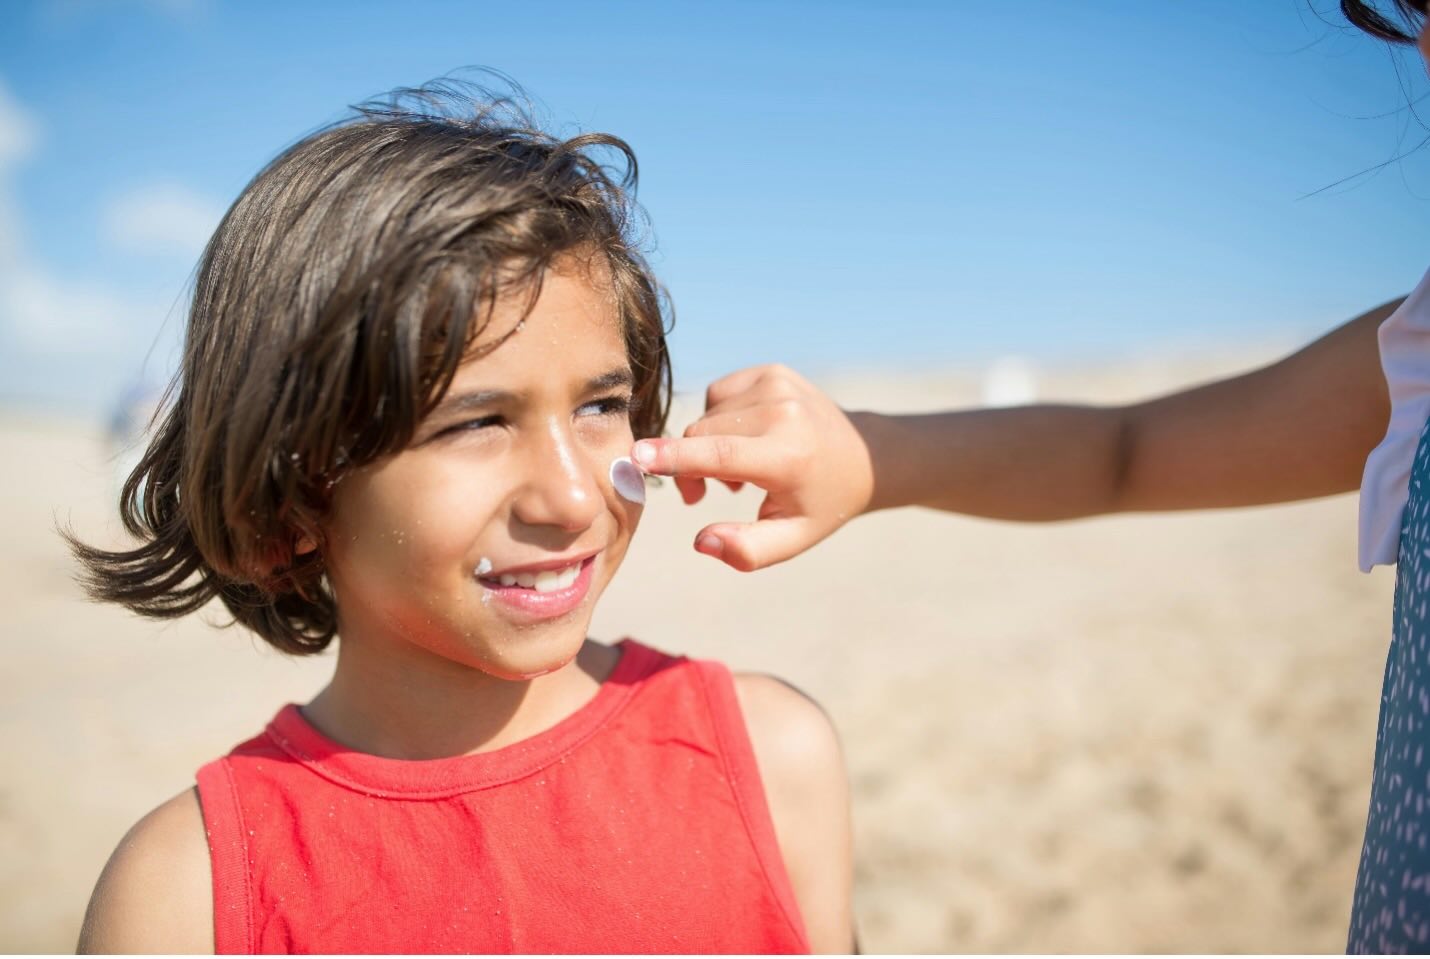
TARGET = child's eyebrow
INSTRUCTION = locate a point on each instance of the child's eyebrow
(476, 399)
(457, 402)
(611, 380)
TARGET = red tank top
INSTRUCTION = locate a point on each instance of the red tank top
(637, 824)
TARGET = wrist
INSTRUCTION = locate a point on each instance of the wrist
(879, 434)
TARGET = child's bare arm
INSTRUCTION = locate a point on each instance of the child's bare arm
(1299, 428)
(1296, 429)
(155, 894)
(802, 767)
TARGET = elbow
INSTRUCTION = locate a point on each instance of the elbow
(1121, 455)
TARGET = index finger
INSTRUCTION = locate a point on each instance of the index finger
(745, 459)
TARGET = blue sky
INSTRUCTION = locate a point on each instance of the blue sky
(833, 185)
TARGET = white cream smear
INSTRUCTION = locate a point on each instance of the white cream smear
(484, 566)
(627, 479)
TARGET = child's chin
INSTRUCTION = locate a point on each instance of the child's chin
(518, 665)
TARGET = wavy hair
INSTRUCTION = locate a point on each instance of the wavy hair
(1368, 17)
(331, 310)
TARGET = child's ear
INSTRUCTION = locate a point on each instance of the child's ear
(304, 546)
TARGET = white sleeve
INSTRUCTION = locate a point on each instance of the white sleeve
(1385, 486)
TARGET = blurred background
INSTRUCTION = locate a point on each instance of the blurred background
(1149, 733)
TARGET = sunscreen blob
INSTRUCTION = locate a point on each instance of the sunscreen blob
(483, 568)
(628, 480)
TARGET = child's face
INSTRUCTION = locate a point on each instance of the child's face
(509, 477)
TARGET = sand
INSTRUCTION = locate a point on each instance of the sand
(1134, 734)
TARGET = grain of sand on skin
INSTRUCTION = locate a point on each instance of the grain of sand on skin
(1148, 733)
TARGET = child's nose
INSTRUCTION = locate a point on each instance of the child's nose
(560, 488)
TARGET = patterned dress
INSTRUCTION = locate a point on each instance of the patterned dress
(1391, 909)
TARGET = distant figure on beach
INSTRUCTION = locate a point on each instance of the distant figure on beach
(128, 421)
(1009, 381)
(1351, 410)
(421, 345)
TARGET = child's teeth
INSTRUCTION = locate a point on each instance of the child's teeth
(546, 581)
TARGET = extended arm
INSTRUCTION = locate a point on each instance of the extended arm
(1298, 428)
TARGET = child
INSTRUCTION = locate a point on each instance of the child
(421, 345)
(1311, 425)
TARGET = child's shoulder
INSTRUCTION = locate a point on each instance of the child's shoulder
(794, 741)
(802, 767)
(156, 892)
(788, 729)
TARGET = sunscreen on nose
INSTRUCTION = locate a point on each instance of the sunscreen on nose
(628, 480)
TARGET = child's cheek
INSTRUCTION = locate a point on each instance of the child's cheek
(427, 518)
(607, 441)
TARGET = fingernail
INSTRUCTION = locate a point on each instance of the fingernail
(644, 453)
(710, 544)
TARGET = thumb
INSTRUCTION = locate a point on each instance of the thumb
(751, 546)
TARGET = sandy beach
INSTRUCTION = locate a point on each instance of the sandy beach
(1148, 733)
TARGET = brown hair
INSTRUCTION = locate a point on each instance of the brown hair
(1366, 17)
(331, 310)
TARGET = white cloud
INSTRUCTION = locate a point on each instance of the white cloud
(43, 313)
(51, 317)
(164, 218)
(18, 134)
(18, 137)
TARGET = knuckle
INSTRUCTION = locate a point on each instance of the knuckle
(786, 387)
(740, 559)
(724, 450)
(788, 378)
(787, 410)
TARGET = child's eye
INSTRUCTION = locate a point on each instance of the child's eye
(606, 406)
(468, 426)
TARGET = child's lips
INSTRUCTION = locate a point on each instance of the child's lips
(542, 593)
(484, 570)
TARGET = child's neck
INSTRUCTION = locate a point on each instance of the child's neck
(432, 708)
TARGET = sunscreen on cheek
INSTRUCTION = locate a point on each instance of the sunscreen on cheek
(628, 480)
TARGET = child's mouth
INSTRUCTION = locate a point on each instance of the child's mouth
(542, 593)
(546, 581)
